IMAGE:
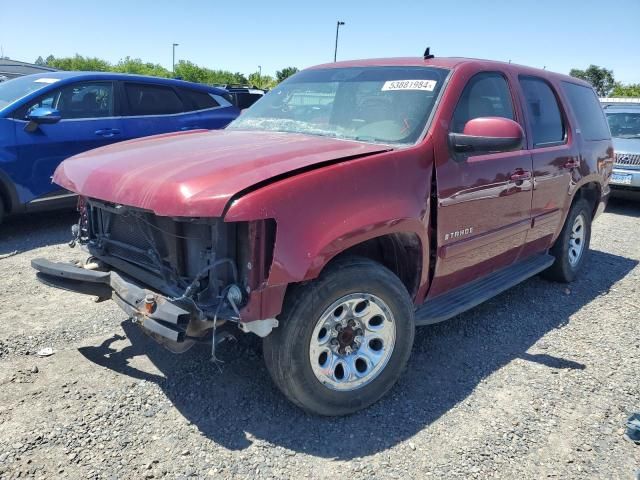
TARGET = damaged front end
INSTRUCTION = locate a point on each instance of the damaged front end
(178, 278)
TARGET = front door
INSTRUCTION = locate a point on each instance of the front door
(484, 200)
(88, 122)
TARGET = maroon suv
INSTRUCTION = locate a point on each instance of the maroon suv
(355, 201)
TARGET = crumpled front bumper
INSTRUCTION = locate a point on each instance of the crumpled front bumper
(155, 313)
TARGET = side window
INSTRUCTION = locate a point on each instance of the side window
(152, 99)
(81, 100)
(198, 100)
(486, 95)
(86, 100)
(588, 112)
(543, 112)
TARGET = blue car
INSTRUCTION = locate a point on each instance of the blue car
(45, 118)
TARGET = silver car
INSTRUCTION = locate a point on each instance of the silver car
(624, 122)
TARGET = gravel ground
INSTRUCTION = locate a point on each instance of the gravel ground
(535, 383)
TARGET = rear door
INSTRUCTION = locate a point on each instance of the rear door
(88, 122)
(556, 159)
(150, 109)
(484, 200)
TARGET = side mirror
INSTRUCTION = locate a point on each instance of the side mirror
(487, 135)
(42, 116)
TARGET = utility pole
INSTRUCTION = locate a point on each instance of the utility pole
(335, 53)
(173, 62)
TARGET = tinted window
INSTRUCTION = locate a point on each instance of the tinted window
(486, 95)
(245, 100)
(588, 112)
(152, 100)
(197, 100)
(81, 100)
(543, 112)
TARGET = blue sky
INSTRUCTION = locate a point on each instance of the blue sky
(558, 34)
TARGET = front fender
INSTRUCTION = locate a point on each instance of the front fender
(322, 212)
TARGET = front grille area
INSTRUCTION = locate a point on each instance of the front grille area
(159, 250)
(627, 159)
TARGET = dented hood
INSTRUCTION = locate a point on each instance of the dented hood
(196, 173)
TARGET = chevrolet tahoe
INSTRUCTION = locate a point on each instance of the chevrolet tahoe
(354, 202)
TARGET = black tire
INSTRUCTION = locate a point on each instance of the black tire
(2, 210)
(287, 349)
(563, 269)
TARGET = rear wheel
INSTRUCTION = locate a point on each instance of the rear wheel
(572, 246)
(344, 339)
(2, 211)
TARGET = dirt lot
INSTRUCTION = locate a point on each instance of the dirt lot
(535, 383)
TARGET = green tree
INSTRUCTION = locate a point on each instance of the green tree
(262, 81)
(240, 78)
(601, 78)
(80, 63)
(137, 66)
(184, 69)
(285, 73)
(631, 90)
(40, 62)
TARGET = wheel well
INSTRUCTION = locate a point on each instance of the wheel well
(591, 193)
(399, 252)
(8, 193)
(5, 201)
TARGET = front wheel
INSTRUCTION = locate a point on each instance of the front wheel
(344, 339)
(572, 246)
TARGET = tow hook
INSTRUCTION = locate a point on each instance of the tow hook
(150, 303)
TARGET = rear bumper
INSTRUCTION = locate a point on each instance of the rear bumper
(155, 313)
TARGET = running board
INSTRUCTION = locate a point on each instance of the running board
(450, 304)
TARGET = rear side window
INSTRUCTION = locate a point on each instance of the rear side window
(543, 112)
(588, 112)
(486, 95)
(197, 100)
(152, 99)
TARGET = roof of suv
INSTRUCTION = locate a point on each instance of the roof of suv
(447, 62)
(70, 75)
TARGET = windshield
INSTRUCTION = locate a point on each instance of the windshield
(371, 104)
(624, 124)
(12, 90)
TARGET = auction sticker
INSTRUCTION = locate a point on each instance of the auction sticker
(46, 80)
(426, 85)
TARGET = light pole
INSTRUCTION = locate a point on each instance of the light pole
(335, 53)
(173, 62)
(260, 75)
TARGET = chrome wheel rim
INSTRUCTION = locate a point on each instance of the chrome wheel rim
(352, 342)
(576, 240)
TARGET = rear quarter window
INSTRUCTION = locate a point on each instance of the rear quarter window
(197, 100)
(587, 110)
